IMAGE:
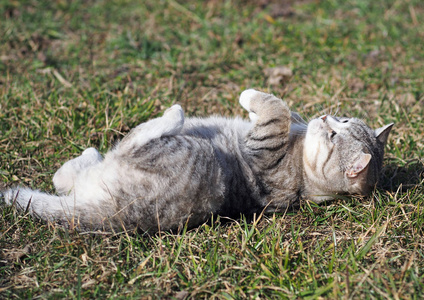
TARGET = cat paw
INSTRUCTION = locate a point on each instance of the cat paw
(89, 151)
(93, 154)
(174, 117)
(246, 97)
(64, 178)
(245, 101)
(253, 117)
(175, 113)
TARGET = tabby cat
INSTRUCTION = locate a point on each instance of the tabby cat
(170, 171)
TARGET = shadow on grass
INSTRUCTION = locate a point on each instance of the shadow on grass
(402, 177)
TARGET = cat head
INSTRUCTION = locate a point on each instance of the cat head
(342, 156)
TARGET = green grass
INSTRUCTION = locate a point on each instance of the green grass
(75, 74)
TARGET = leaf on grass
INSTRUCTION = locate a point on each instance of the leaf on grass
(89, 283)
(181, 295)
(16, 254)
(61, 79)
(278, 75)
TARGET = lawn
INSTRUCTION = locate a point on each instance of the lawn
(78, 74)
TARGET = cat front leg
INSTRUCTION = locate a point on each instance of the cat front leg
(272, 120)
(267, 140)
(267, 147)
(169, 124)
(263, 106)
(65, 177)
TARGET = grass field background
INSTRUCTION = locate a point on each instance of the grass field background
(75, 74)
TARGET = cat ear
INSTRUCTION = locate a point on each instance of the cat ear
(359, 165)
(383, 133)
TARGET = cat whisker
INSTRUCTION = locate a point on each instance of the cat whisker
(320, 110)
(337, 110)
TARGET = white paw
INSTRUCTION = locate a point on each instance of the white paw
(174, 117)
(93, 153)
(175, 112)
(253, 117)
(63, 179)
(246, 96)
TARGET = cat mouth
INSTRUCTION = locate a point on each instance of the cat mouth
(315, 126)
(322, 125)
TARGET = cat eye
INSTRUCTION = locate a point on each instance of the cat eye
(345, 120)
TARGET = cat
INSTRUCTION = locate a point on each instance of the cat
(171, 171)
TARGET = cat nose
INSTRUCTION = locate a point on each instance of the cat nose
(324, 117)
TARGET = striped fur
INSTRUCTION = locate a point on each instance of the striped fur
(172, 171)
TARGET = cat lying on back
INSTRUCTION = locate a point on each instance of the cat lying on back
(172, 171)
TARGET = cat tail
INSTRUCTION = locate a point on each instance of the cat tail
(51, 208)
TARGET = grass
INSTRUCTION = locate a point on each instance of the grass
(75, 74)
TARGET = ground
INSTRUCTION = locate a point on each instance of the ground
(79, 74)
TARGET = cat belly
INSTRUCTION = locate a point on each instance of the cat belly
(166, 183)
(172, 180)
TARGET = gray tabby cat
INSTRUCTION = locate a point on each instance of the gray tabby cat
(172, 171)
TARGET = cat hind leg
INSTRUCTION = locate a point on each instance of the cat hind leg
(171, 123)
(175, 116)
(65, 177)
